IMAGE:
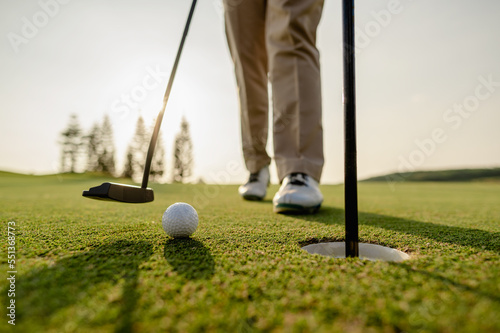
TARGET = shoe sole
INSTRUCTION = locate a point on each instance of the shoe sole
(295, 209)
(252, 197)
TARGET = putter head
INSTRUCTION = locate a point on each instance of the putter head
(120, 192)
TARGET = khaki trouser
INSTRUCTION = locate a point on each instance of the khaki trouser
(275, 41)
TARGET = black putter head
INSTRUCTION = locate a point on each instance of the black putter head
(120, 192)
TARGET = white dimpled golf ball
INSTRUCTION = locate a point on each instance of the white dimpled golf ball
(180, 220)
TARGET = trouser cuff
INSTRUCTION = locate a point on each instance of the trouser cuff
(309, 167)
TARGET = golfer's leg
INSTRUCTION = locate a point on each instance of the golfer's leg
(245, 31)
(295, 77)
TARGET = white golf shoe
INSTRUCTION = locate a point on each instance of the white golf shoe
(256, 187)
(298, 194)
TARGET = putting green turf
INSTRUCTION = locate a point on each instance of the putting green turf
(86, 265)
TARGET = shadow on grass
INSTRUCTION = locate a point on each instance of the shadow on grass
(267, 201)
(475, 238)
(46, 291)
(447, 281)
(189, 258)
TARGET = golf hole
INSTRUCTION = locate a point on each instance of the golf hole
(366, 251)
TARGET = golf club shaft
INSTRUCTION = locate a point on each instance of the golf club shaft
(350, 181)
(154, 137)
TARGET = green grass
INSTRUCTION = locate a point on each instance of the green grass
(455, 175)
(90, 266)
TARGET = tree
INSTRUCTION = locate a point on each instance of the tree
(72, 144)
(93, 141)
(183, 154)
(106, 160)
(158, 163)
(137, 150)
(101, 148)
(128, 171)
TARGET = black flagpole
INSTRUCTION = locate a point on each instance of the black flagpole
(349, 99)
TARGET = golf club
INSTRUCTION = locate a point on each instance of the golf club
(349, 96)
(135, 194)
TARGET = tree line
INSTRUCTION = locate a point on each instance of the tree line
(94, 151)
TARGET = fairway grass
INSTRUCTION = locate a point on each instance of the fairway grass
(91, 266)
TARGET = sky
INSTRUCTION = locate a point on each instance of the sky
(427, 75)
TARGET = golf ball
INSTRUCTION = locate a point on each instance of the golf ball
(180, 220)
